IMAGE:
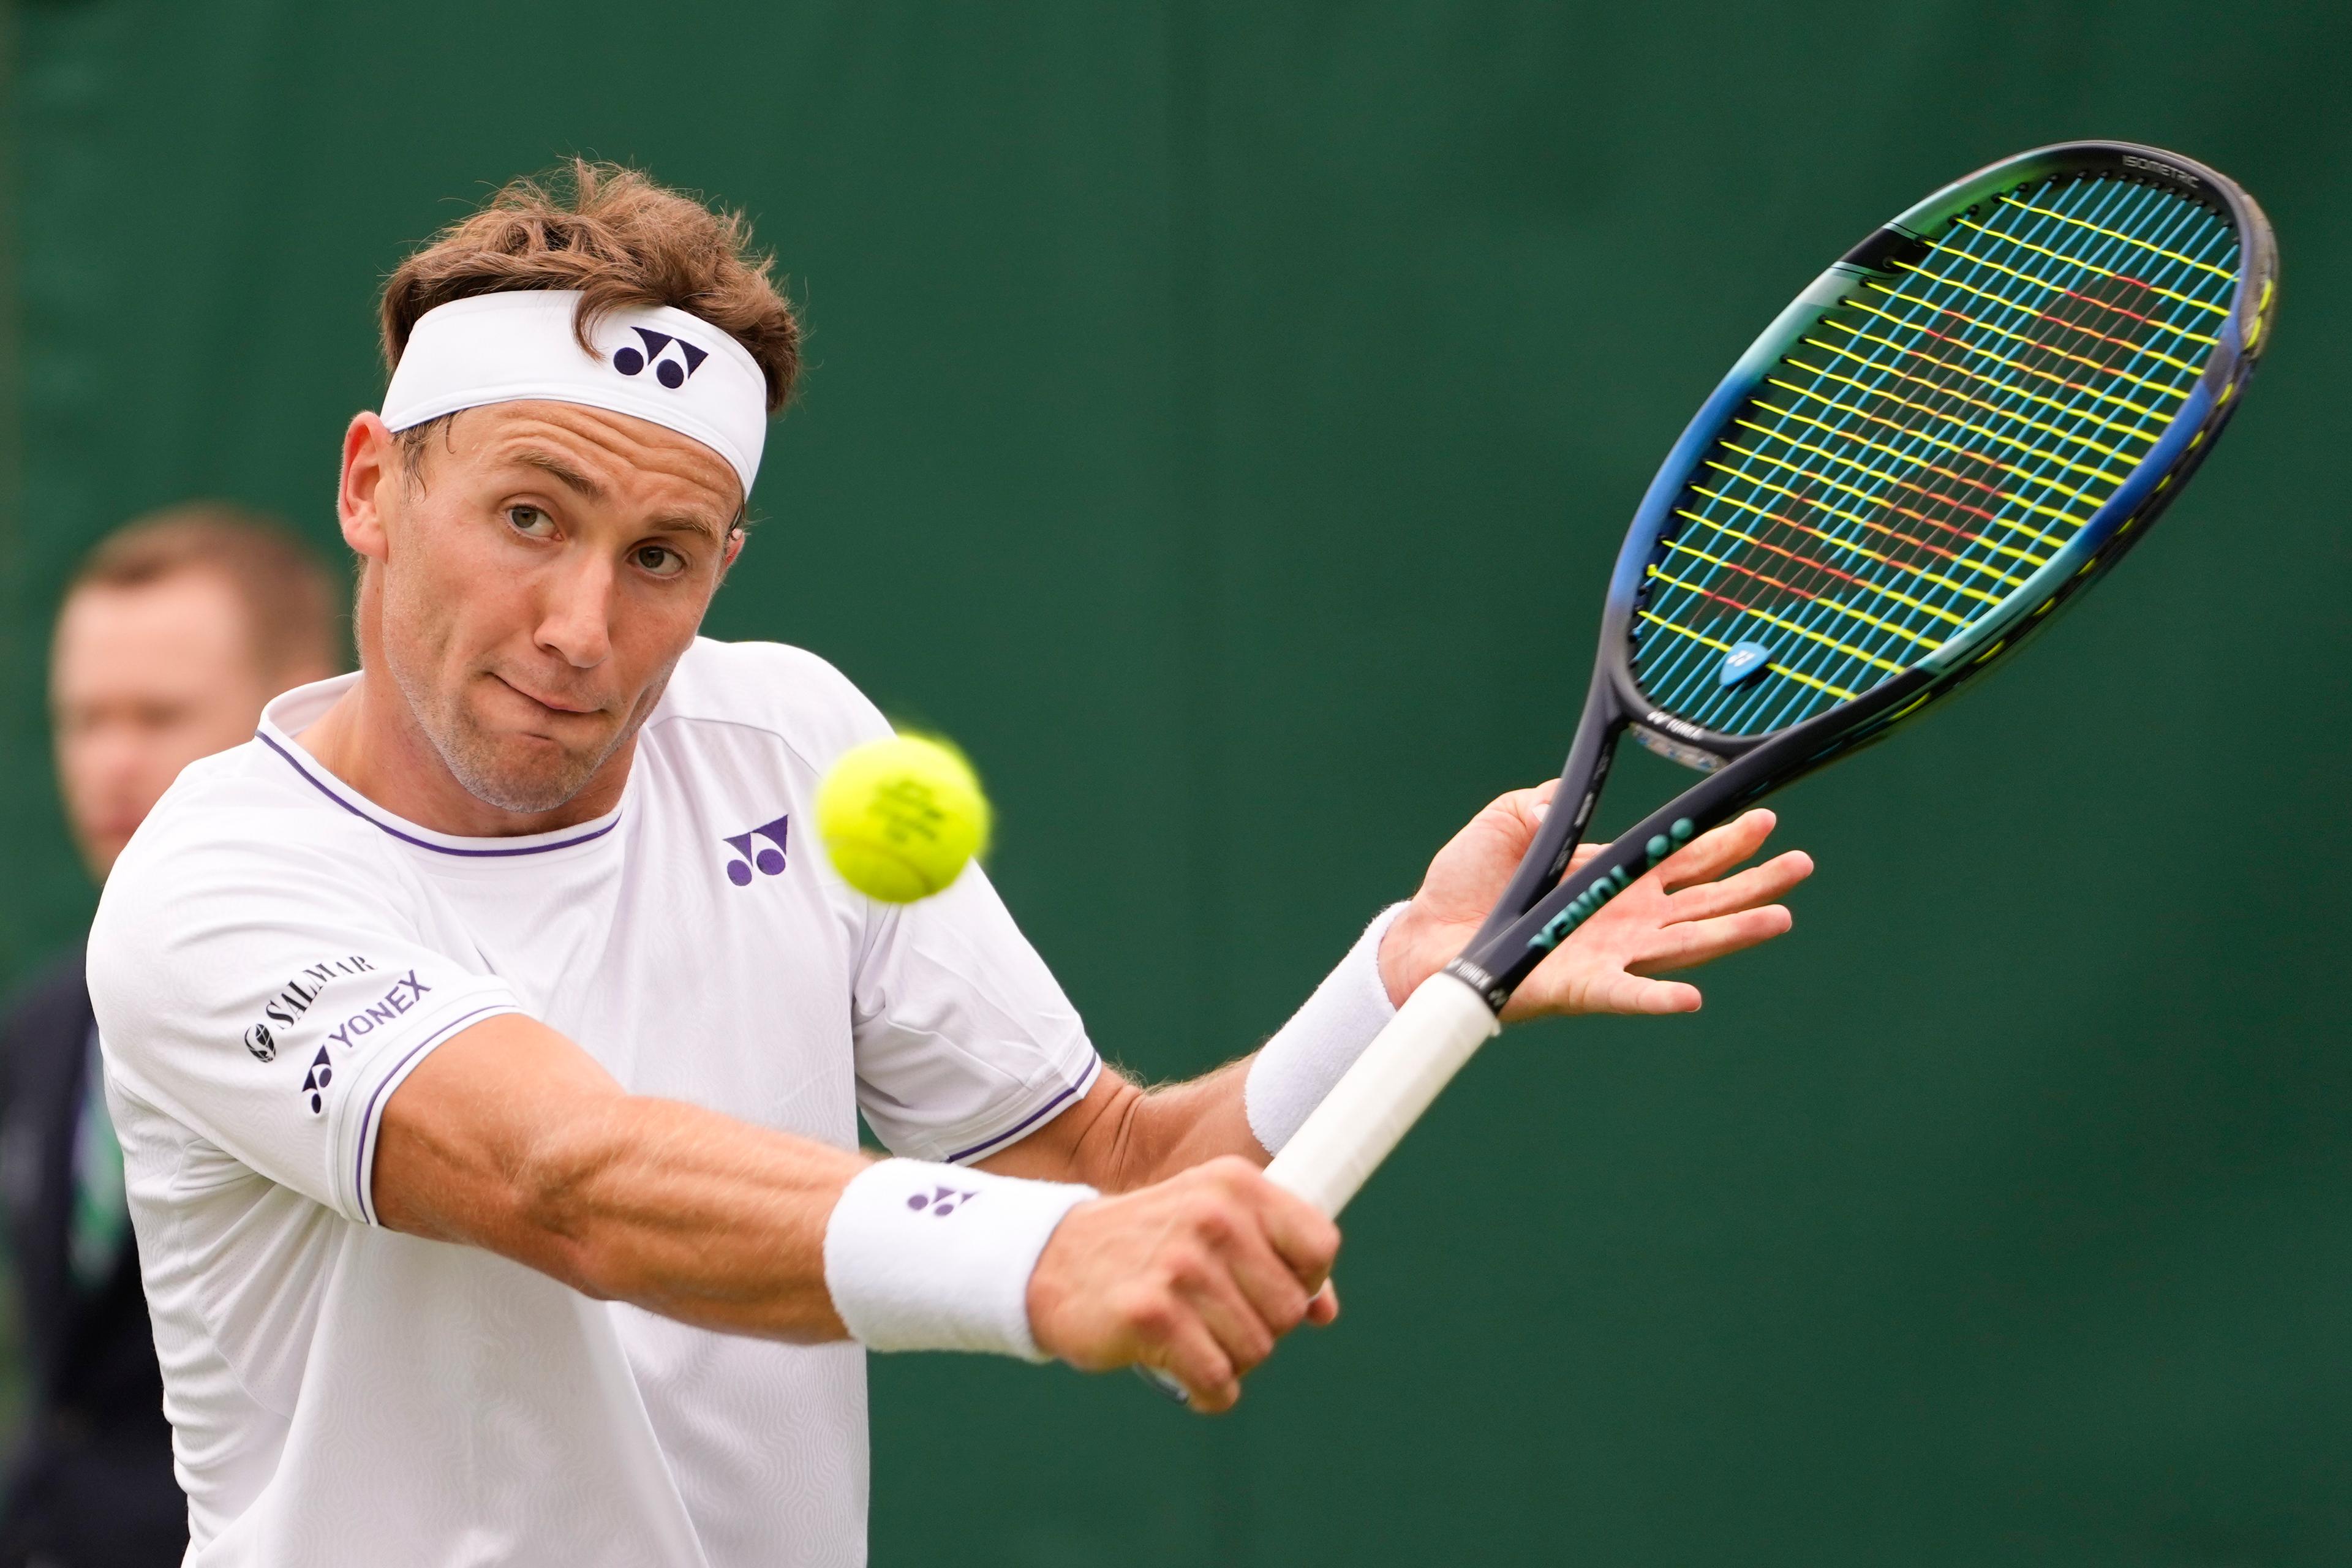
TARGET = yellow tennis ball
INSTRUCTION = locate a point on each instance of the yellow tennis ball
(900, 817)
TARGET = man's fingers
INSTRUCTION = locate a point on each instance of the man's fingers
(1718, 850)
(1323, 1308)
(1745, 889)
(1624, 993)
(1198, 1277)
(1526, 807)
(1243, 1264)
(1301, 1234)
(1190, 1354)
(1690, 943)
(1562, 989)
(1223, 1308)
(1274, 1292)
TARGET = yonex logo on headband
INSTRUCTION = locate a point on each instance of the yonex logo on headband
(652, 361)
(669, 372)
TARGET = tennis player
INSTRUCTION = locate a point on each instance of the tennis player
(486, 1043)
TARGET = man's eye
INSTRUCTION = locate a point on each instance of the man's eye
(530, 521)
(660, 560)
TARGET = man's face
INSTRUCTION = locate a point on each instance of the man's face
(537, 575)
(143, 681)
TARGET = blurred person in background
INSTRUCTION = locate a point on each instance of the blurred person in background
(173, 634)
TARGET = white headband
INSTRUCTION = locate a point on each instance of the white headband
(675, 370)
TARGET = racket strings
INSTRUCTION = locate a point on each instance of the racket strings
(2047, 332)
(1929, 443)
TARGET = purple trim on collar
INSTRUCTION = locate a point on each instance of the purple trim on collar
(313, 781)
(1085, 1081)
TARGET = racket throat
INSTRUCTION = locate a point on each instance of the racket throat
(1654, 737)
(1580, 780)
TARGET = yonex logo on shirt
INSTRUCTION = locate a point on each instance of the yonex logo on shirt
(315, 1082)
(770, 861)
(403, 994)
(671, 370)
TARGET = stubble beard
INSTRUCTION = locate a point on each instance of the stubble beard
(487, 766)
(483, 763)
(491, 767)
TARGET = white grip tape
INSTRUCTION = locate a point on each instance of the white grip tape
(1335, 1152)
(920, 1257)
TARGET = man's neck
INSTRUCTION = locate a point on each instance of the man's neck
(371, 741)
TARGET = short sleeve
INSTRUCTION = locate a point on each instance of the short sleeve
(265, 979)
(965, 1042)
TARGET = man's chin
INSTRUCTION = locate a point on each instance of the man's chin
(526, 774)
(523, 797)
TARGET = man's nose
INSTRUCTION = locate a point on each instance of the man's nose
(106, 765)
(105, 756)
(575, 623)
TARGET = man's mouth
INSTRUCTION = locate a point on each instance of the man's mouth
(551, 703)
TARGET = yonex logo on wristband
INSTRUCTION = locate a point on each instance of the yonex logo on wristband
(672, 371)
(942, 1203)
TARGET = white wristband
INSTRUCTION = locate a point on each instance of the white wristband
(1298, 1068)
(922, 1257)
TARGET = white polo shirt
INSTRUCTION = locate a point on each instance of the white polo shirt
(273, 953)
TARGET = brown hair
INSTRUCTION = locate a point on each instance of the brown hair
(619, 238)
(291, 601)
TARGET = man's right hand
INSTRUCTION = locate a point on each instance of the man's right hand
(1198, 1276)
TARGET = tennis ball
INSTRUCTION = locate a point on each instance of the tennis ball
(900, 816)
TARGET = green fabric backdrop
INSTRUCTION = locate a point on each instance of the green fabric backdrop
(1221, 418)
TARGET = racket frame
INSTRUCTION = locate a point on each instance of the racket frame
(1542, 904)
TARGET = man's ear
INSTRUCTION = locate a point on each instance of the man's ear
(736, 537)
(371, 471)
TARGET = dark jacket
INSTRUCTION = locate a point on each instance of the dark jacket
(92, 1485)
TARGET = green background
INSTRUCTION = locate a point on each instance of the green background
(1220, 417)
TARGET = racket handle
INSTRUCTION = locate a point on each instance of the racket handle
(1164, 1383)
(1374, 1104)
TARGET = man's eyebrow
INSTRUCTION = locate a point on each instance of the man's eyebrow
(557, 469)
(688, 522)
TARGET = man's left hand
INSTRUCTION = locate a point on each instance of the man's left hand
(1682, 913)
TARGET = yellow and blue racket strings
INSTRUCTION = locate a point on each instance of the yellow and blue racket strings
(1928, 443)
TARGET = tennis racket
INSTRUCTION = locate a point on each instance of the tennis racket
(1957, 429)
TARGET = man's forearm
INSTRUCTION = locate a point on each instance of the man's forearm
(665, 1205)
(699, 1217)
(1121, 1136)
